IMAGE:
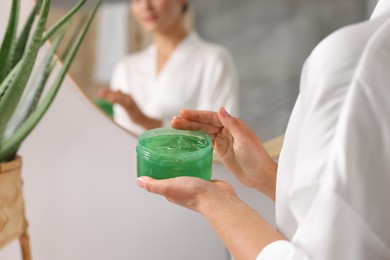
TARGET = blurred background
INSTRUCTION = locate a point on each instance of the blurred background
(70, 195)
(269, 40)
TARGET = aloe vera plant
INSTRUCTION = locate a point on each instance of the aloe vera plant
(22, 103)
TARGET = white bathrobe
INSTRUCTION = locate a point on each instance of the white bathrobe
(333, 183)
(198, 75)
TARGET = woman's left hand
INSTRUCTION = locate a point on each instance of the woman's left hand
(190, 192)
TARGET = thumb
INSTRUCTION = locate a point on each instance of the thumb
(103, 93)
(234, 125)
(152, 185)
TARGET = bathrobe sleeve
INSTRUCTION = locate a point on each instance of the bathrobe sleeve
(220, 84)
(119, 81)
(342, 207)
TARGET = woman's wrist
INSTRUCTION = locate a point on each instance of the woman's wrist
(267, 183)
(210, 201)
(244, 232)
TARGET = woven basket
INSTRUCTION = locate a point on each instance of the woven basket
(13, 224)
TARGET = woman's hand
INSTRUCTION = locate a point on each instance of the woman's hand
(130, 106)
(189, 192)
(239, 148)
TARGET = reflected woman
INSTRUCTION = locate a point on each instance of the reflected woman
(179, 69)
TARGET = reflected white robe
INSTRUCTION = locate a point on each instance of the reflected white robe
(333, 183)
(198, 75)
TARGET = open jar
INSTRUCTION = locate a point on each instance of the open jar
(167, 153)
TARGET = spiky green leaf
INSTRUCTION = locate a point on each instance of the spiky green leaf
(11, 145)
(9, 79)
(32, 94)
(23, 37)
(62, 21)
(8, 45)
(13, 92)
(75, 33)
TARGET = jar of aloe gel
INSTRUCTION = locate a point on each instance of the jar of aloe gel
(167, 153)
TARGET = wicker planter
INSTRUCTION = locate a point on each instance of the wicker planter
(13, 224)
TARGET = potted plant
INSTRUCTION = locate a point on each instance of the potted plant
(22, 103)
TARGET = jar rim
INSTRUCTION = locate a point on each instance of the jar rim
(166, 131)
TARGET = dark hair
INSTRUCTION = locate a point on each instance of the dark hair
(185, 7)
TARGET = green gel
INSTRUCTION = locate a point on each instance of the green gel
(167, 153)
(105, 106)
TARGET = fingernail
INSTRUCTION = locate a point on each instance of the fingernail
(141, 182)
(173, 121)
(224, 112)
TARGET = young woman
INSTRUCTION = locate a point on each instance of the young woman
(177, 70)
(332, 184)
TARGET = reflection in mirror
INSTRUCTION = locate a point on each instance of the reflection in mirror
(113, 35)
(269, 41)
(96, 58)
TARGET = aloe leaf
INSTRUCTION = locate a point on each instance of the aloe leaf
(75, 33)
(47, 67)
(9, 79)
(11, 145)
(8, 45)
(34, 91)
(23, 37)
(13, 92)
(39, 3)
(62, 21)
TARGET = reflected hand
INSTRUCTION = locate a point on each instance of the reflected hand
(125, 101)
(190, 192)
(130, 106)
(239, 148)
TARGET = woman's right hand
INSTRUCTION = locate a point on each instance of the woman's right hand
(125, 101)
(239, 148)
(130, 106)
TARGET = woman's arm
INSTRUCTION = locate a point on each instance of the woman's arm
(244, 232)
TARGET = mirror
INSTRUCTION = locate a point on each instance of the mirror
(269, 41)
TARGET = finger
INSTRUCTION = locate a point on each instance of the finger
(122, 99)
(236, 127)
(184, 124)
(201, 116)
(160, 187)
(103, 92)
(223, 140)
